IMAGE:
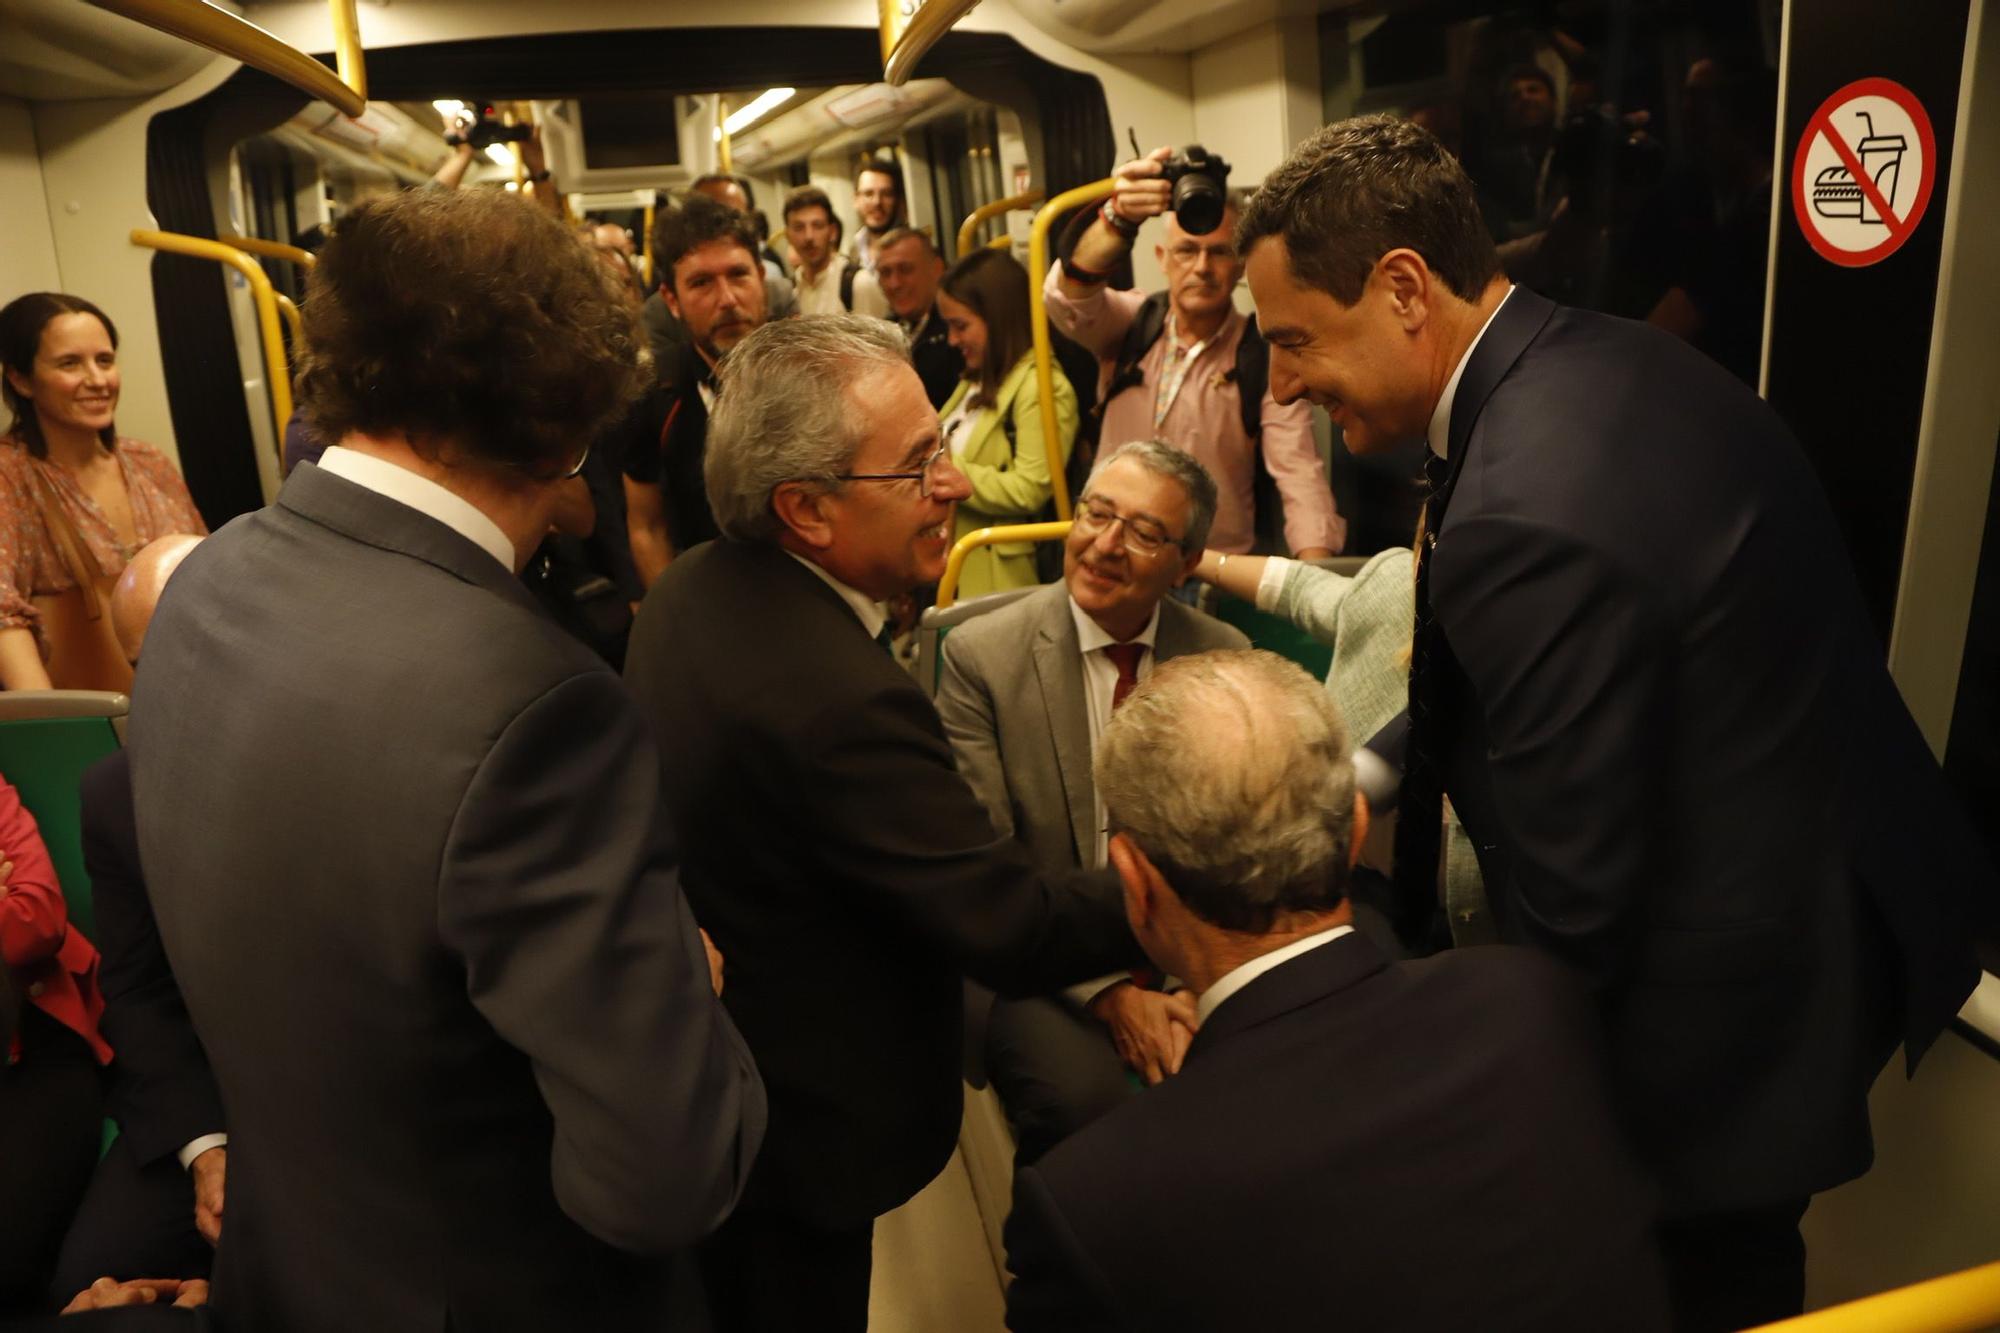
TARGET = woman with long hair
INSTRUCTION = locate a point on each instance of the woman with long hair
(993, 422)
(77, 500)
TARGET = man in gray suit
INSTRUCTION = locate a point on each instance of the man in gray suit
(1024, 734)
(403, 835)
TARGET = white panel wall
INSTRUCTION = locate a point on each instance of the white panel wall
(27, 246)
(1256, 94)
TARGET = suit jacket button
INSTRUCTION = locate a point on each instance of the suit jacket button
(35, 991)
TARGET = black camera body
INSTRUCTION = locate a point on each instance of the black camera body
(1201, 188)
(479, 126)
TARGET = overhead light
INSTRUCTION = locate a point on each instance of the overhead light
(500, 155)
(717, 132)
(745, 116)
(449, 109)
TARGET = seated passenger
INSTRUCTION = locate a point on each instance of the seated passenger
(993, 423)
(76, 498)
(154, 1207)
(51, 1109)
(1025, 694)
(1352, 1141)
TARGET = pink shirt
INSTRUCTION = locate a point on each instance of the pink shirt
(1206, 420)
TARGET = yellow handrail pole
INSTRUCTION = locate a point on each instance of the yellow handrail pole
(1011, 532)
(1038, 312)
(901, 52)
(290, 309)
(1001, 242)
(257, 245)
(219, 30)
(970, 227)
(647, 254)
(275, 369)
(1957, 1303)
(723, 162)
(347, 47)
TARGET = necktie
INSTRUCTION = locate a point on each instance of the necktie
(885, 638)
(1420, 808)
(1124, 656)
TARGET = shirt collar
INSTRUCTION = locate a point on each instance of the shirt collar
(405, 487)
(1090, 635)
(1439, 433)
(1237, 978)
(868, 610)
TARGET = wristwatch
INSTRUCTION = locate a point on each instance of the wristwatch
(1112, 219)
(537, 177)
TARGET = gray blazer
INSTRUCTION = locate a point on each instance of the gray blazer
(405, 843)
(1012, 700)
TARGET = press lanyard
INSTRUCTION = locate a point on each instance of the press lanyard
(1174, 368)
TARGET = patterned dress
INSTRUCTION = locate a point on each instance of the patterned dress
(31, 564)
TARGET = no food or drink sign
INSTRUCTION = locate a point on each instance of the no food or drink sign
(1864, 171)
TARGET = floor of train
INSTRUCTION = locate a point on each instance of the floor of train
(933, 1268)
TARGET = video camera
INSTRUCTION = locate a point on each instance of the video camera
(1201, 188)
(479, 126)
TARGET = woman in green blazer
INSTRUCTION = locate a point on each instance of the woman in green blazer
(993, 421)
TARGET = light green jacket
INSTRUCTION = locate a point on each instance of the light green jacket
(1010, 477)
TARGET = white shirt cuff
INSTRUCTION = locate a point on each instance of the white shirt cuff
(199, 1146)
(1272, 584)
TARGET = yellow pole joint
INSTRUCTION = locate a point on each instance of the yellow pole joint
(954, 564)
(968, 230)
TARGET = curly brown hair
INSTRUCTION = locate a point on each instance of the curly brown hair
(467, 318)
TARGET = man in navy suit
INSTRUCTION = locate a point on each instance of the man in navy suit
(1643, 674)
(1352, 1141)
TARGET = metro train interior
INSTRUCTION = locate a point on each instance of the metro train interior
(1633, 158)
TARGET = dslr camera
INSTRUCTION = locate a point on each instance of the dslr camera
(479, 126)
(1201, 188)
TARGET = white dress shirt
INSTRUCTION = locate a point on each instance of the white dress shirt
(422, 494)
(865, 608)
(1237, 978)
(820, 295)
(1439, 434)
(1100, 683)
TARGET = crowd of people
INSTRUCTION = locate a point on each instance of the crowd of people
(506, 968)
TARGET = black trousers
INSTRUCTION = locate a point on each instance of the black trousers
(1737, 1270)
(1056, 1070)
(769, 1273)
(51, 1123)
(136, 1220)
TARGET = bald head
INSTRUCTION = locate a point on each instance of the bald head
(139, 588)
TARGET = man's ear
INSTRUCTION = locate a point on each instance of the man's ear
(1189, 564)
(801, 508)
(1136, 875)
(667, 295)
(1359, 834)
(1407, 279)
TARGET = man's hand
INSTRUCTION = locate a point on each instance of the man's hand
(1150, 1028)
(208, 1170)
(1142, 193)
(714, 962)
(106, 1294)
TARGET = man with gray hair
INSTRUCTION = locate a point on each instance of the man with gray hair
(1025, 734)
(843, 866)
(1271, 1185)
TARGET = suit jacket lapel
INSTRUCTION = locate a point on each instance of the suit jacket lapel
(1513, 328)
(1059, 672)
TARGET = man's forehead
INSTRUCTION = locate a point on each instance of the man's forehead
(877, 180)
(1176, 232)
(714, 256)
(807, 214)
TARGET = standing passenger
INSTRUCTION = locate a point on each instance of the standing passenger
(1644, 676)
(403, 835)
(878, 203)
(909, 268)
(849, 874)
(828, 281)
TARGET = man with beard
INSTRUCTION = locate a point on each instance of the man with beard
(878, 202)
(714, 284)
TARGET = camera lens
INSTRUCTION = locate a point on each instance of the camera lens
(1198, 203)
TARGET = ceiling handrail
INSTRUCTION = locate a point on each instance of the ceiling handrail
(907, 41)
(970, 227)
(219, 30)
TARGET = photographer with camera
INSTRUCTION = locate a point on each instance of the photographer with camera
(1184, 365)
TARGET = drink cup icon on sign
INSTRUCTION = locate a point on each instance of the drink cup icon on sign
(1835, 192)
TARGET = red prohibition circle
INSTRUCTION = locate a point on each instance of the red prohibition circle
(1822, 123)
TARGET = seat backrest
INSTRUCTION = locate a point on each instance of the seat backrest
(939, 621)
(47, 739)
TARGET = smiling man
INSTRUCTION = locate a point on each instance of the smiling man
(835, 854)
(1059, 1061)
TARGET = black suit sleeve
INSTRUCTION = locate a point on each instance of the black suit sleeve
(895, 817)
(1565, 652)
(163, 1094)
(566, 910)
(1055, 1289)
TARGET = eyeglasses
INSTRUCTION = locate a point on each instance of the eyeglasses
(1143, 536)
(926, 477)
(1187, 252)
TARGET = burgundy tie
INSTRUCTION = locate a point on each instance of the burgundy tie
(1124, 656)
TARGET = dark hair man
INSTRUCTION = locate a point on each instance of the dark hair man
(1643, 673)
(473, 1066)
(848, 872)
(1400, 1146)
(909, 269)
(712, 280)
(878, 202)
(1177, 365)
(1060, 1061)
(828, 281)
(734, 192)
